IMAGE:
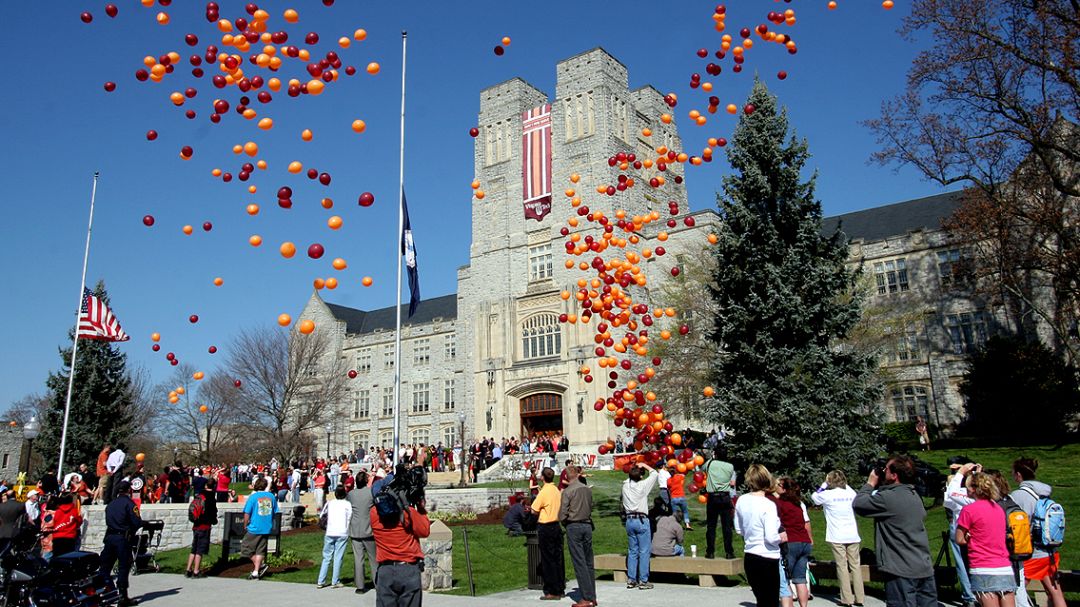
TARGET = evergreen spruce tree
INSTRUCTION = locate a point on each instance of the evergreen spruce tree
(101, 402)
(797, 399)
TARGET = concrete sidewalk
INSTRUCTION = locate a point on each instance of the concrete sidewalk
(165, 590)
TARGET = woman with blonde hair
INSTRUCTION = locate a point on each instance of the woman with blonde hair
(842, 535)
(981, 527)
(757, 520)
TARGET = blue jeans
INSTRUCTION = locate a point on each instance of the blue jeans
(678, 550)
(961, 568)
(296, 493)
(664, 495)
(639, 546)
(332, 548)
(679, 503)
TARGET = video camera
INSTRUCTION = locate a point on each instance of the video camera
(929, 481)
(409, 484)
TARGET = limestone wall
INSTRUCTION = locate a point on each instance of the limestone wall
(438, 558)
(513, 467)
(477, 500)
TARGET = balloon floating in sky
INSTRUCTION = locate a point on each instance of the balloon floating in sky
(86, 17)
(284, 320)
(499, 50)
(315, 251)
(194, 318)
(366, 199)
(306, 327)
(148, 220)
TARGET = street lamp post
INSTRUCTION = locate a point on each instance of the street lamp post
(31, 430)
(329, 429)
(461, 439)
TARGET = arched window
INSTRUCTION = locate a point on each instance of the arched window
(909, 402)
(541, 336)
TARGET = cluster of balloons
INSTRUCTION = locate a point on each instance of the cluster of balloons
(247, 62)
(500, 49)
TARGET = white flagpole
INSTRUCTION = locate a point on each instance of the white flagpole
(75, 344)
(401, 227)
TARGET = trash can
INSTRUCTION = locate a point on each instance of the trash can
(532, 549)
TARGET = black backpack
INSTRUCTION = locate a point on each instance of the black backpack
(387, 504)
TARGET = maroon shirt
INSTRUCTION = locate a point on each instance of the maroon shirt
(791, 517)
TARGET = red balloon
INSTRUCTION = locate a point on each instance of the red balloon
(473, 132)
(143, 75)
(352, 374)
(212, 349)
(174, 362)
(782, 75)
(207, 226)
(315, 251)
(191, 39)
(111, 10)
(170, 356)
(86, 17)
(155, 347)
(748, 109)
(312, 38)
(110, 86)
(367, 199)
(237, 383)
(194, 318)
(148, 220)
(186, 151)
(499, 50)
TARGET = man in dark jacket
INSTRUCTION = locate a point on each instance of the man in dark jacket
(12, 520)
(902, 546)
(121, 520)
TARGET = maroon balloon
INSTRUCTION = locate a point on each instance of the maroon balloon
(284, 192)
(315, 251)
(350, 70)
(174, 362)
(111, 10)
(151, 135)
(312, 38)
(212, 349)
(324, 178)
(499, 50)
(190, 114)
(110, 86)
(684, 329)
(367, 199)
(207, 226)
(148, 220)
(473, 132)
(352, 374)
(237, 383)
(143, 75)
(186, 151)
(675, 271)
(86, 17)
(194, 318)
(191, 39)
(782, 75)
(748, 109)
(170, 356)
(155, 347)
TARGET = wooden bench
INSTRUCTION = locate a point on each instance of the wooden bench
(705, 569)
(826, 570)
(1069, 580)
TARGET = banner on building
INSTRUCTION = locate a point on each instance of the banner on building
(536, 161)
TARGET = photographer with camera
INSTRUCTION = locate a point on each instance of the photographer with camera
(901, 543)
(399, 521)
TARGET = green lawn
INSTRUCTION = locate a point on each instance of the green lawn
(499, 562)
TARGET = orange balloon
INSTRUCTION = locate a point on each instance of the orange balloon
(251, 148)
(255, 240)
(339, 264)
(306, 134)
(708, 391)
(203, 409)
(284, 320)
(676, 439)
(218, 282)
(252, 209)
(198, 375)
(366, 281)
(266, 124)
(296, 166)
(140, 457)
(702, 499)
(187, 230)
(291, 15)
(331, 283)
(319, 284)
(359, 126)
(315, 87)
(327, 203)
(334, 222)
(163, 18)
(373, 68)
(287, 249)
(344, 42)
(306, 327)
(359, 34)
(681, 468)
(180, 390)
(155, 337)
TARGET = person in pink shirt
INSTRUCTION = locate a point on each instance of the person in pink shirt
(981, 527)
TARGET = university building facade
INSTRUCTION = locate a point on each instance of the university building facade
(496, 351)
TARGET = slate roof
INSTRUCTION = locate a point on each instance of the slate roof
(896, 219)
(361, 321)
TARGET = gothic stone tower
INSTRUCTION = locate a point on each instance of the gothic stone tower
(524, 363)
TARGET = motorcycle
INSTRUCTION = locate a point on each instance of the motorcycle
(72, 579)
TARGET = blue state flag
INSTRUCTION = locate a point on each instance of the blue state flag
(408, 249)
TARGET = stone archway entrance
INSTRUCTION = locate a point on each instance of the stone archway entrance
(541, 413)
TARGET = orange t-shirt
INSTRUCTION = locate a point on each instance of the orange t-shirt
(675, 485)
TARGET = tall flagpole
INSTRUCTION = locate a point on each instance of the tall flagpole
(401, 228)
(75, 344)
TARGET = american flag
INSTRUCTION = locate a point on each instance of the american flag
(96, 321)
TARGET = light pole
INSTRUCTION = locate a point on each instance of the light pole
(329, 429)
(461, 439)
(31, 430)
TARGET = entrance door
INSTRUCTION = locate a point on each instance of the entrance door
(541, 413)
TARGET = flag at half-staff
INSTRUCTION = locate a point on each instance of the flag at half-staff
(408, 249)
(96, 320)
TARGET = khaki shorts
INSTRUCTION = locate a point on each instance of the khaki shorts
(253, 545)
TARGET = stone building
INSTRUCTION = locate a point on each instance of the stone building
(13, 453)
(497, 352)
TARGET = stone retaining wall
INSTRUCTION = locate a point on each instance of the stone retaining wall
(477, 500)
(438, 558)
(517, 466)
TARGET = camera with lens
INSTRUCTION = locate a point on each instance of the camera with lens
(409, 484)
(877, 465)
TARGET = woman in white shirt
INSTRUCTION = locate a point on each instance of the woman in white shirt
(338, 512)
(757, 520)
(842, 535)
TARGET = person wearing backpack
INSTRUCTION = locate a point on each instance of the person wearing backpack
(982, 527)
(202, 514)
(1034, 497)
(956, 497)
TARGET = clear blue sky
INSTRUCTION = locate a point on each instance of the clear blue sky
(58, 126)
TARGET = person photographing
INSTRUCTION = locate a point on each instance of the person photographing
(901, 543)
(398, 527)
